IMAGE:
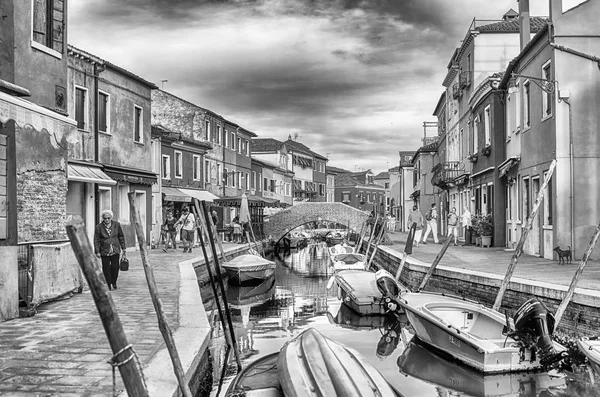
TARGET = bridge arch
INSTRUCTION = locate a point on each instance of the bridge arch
(278, 225)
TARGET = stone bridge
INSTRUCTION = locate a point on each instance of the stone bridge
(277, 225)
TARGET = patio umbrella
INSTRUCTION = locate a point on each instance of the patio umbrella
(244, 210)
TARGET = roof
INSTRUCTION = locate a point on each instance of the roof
(72, 50)
(512, 64)
(382, 175)
(335, 170)
(158, 130)
(511, 25)
(441, 102)
(266, 145)
(346, 180)
(431, 147)
(394, 169)
(297, 147)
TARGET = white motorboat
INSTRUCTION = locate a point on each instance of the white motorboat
(249, 268)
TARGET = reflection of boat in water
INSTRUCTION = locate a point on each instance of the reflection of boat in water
(309, 365)
(421, 363)
(335, 238)
(250, 295)
(248, 268)
(358, 289)
(479, 336)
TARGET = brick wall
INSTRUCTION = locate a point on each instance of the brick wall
(580, 319)
(277, 225)
(41, 205)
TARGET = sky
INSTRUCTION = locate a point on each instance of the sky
(354, 80)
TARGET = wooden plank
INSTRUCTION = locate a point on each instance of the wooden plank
(524, 234)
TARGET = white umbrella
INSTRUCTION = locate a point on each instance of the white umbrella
(244, 210)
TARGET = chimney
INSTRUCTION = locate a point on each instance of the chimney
(524, 29)
(556, 9)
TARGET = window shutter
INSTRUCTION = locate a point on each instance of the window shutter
(58, 25)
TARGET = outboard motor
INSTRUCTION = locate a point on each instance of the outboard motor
(534, 325)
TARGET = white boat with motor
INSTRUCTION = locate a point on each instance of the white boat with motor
(345, 258)
(482, 338)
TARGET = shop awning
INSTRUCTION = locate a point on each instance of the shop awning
(174, 194)
(482, 172)
(508, 164)
(90, 174)
(253, 201)
(201, 195)
(131, 175)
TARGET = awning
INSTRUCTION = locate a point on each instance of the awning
(253, 201)
(131, 175)
(482, 172)
(86, 173)
(24, 113)
(174, 194)
(507, 165)
(201, 195)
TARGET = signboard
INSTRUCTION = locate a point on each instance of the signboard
(406, 158)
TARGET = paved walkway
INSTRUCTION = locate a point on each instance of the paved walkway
(63, 349)
(496, 261)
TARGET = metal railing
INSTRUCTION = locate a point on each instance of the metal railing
(26, 273)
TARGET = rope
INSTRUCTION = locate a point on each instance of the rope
(115, 364)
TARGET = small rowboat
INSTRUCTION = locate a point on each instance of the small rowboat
(359, 290)
(311, 365)
(591, 349)
(348, 262)
(249, 268)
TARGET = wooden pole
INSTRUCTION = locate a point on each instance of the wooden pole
(402, 262)
(524, 234)
(131, 373)
(223, 291)
(407, 249)
(377, 242)
(363, 232)
(372, 235)
(163, 325)
(210, 227)
(576, 276)
(436, 261)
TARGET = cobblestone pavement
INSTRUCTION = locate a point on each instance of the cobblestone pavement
(63, 349)
(496, 260)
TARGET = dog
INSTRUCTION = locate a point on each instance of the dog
(563, 254)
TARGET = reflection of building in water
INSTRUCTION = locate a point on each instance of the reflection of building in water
(312, 260)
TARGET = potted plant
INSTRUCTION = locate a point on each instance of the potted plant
(486, 150)
(484, 227)
(473, 157)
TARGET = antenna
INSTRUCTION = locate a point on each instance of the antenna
(295, 136)
(162, 83)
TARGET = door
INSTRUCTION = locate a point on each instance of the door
(140, 204)
(535, 229)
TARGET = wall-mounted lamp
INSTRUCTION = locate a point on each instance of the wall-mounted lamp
(544, 84)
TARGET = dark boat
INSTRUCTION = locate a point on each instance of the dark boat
(250, 295)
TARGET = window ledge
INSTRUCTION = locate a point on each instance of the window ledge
(83, 130)
(549, 116)
(547, 227)
(139, 143)
(526, 129)
(105, 133)
(45, 49)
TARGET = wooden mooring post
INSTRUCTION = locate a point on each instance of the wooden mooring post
(571, 291)
(436, 261)
(130, 371)
(524, 234)
(163, 324)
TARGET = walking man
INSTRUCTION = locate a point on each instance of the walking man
(431, 218)
(188, 222)
(453, 224)
(416, 217)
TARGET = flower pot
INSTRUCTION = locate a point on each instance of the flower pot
(478, 241)
(486, 241)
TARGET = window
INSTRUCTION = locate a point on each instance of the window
(225, 177)
(321, 189)
(232, 141)
(239, 145)
(548, 202)
(166, 166)
(219, 174)
(547, 97)
(247, 148)
(258, 180)
(218, 135)
(525, 199)
(225, 138)
(265, 184)
(49, 26)
(232, 178)
(123, 203)
(253, 179)
(239, 176)
(138, 135)
(207, 130)
(103, 112)
(247, 181)
(345, 197)
(81, 107)
(386, 185)
(526, 105)
(487, 125)
(178, 164)
(475, 133)
(104, 199)
(206, 172)
(196, 170)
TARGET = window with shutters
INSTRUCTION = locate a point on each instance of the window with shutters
(49, 26)
(178, 164)
(103, 112)
(81, 113)
(138, 135)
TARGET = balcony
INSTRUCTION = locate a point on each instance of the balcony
(444, 174)
(464, 79)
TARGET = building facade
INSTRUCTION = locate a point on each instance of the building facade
(359, 190)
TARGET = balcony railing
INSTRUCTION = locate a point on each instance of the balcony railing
(445, 173)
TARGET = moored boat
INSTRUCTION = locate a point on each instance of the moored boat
(249, 268)
(359, 290)
(350, 261)
(313, 365)
(480, 337)
(419, 361)
(590, 347)
(250, 295)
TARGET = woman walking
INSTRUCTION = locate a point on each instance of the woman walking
(171, 232)
(109, 243)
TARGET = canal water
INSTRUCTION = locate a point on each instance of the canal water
(268, 315)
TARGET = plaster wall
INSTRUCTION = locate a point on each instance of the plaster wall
(7, 44)
(305, 174)
(80, 74)
(492, 52)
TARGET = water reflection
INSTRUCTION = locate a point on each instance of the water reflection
(269, 314)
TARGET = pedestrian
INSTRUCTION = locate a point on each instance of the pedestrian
(416, 217)
(188, 226)
(171, 231)
(109, 245)
(431, 218)
(215, 218)
(237, 232)
(453, 224)
(468, 225)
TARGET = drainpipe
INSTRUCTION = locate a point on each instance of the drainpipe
(97, 70)
(571, 172)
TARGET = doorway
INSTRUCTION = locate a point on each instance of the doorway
(535, 229)
(140, 204)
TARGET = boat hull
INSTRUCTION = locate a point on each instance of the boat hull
(259, 379)
(591, 349)
(312, 365)
(249, 269)
(237, 276)
(488, 351)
